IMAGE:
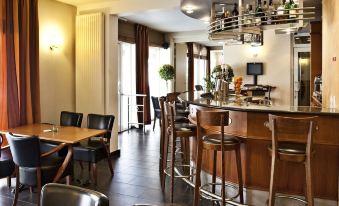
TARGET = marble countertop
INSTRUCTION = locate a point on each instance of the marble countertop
(238, 104)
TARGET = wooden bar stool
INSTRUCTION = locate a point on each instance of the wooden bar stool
(219, 142)
(285, 132)
(174, 131)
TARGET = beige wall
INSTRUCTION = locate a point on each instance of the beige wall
(181, 67)
(57, 24)
(330, 72)
(276, 56)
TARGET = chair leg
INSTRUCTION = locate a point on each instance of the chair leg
(309, 189)
(239, 170)
(173, 140)
(164, 159)
(17, 186)
(94, 173)
(81, 165)
(155, 119)
(9, 181)
(223, 179)
(109, 161)
(214, 174)
(39, 184)
(271, 197)
(197, 174)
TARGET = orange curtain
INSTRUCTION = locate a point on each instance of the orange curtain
(19, 61)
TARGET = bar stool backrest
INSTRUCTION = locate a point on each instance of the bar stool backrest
(172, 97)
(169, 111)
(162, 115)
(299, 130)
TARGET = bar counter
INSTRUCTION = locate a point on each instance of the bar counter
(249, 122)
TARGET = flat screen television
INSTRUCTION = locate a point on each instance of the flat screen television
(255, 69)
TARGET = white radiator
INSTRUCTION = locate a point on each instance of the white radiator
(89, 74)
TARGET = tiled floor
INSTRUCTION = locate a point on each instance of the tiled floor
(136, 179)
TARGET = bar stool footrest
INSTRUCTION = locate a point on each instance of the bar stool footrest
(177, 173)
(291, 197)
(207, 194)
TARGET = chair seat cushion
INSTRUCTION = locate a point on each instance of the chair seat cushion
(185, 127)
(291, 148)
(89, 151)
(6, 163)
(49, 168)
(181, 119)
(215, 139)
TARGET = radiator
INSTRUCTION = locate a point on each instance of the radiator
(89, 74)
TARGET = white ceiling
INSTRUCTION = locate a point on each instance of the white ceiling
(167, 20)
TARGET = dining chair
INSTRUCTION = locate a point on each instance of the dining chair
(52, 193)
(156, 109)
(67, 119)
(33, 168)
(94, 150)
(6, 162)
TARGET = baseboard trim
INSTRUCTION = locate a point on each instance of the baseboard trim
(116, 153)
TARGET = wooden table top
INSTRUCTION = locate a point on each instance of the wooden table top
(68, 135)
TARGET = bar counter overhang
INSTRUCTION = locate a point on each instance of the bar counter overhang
(249, 122)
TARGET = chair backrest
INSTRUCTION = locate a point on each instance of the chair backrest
(70, 119)
(172, 97)
(66, 195)
(212, 118)
(198, 87)
(155, 102)
(25, 150)
(1, 140)
(292, 129)
(98, 121)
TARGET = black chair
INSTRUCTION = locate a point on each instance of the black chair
(66, 119)
(52, 194)
(199, 87)
(31, 167)
(94, 150)
(6, 163)
(156, 109)
(70, 119)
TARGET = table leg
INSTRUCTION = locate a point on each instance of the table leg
(64, 164)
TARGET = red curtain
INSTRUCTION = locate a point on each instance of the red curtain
(19, 61)
(142, 86)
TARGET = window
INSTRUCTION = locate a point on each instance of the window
(157, 86)
(126, 83)
(199, 71)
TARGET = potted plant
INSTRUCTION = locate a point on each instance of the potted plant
(167, 72)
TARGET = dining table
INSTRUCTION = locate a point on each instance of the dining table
(59, 134)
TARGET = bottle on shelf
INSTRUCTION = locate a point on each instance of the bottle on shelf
(258, 13)
(245, 15)
(293, 12)
(227, 19)
(270, 12)
(287, 7)
(265, 10)
(221, 19)
(280, 11)
(235, 14)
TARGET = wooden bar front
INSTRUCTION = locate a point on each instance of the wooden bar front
(256, 161)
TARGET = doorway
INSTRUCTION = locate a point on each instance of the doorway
(301, 76)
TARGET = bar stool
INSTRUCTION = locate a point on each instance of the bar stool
(211, 120)
(173, 131)
(283, 149)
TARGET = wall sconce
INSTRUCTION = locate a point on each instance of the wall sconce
(54, 42)
(255, 50)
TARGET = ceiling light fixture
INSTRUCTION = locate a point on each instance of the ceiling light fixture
(189, 9)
